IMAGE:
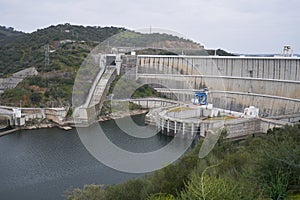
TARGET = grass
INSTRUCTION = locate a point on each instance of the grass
(221, 118)
(180, 109)
(294, 197)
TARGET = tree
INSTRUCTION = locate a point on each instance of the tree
(204, 187)
(89, 192)
(276, 162)
(35, 97)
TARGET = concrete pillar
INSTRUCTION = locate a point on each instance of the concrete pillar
(183, 127)
(169, 66)
(192, 133)
(177, 66)
(150, 64)
(175, 127)
(157, 120)
(136, 70)
(118, 63)
(168, 126)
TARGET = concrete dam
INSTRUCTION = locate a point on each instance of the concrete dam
(233, 84)
(271, 84)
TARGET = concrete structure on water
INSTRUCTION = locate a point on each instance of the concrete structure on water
(270, 84)
(12, 116)
(17, 117)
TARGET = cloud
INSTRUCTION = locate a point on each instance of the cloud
(235, 25)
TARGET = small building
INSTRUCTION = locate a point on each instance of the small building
(19, 120)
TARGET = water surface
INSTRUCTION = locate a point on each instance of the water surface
(44, 163)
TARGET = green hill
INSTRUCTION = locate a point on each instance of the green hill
(68, 46)
(8, 33)
(21, 51)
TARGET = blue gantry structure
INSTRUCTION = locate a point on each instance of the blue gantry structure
(200, 97)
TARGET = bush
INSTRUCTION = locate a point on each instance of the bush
(35, 97)
(257, 168)
(202, 187)
(89, 192)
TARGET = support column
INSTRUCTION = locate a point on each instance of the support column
(192, 133)
(175, 127)
(168, 126)
(183, 127)
(157, 120)
(162, 124)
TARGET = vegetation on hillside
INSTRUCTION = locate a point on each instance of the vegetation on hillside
(8, 33)
(69, 46)
(153, 40)
(219, 52)
(265, 167)
(124, 88)
(195, 52)
(28, 50)
(55, 81)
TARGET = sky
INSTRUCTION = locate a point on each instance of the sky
(238, 26)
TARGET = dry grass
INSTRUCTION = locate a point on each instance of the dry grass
(180, 109)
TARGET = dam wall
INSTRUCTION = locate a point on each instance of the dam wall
(270, 83)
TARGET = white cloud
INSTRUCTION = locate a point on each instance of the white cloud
(235, 25)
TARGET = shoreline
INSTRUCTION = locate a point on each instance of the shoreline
(7, 132)
(32, 127)
(66, 127)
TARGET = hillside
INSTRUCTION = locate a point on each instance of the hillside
(27, 50)
(8, 33)
(68, 47)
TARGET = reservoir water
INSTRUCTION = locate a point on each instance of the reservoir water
(45, 163)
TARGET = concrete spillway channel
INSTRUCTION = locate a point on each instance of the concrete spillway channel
(100, 88)
(87, 113)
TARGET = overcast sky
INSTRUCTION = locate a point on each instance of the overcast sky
(240, 26)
